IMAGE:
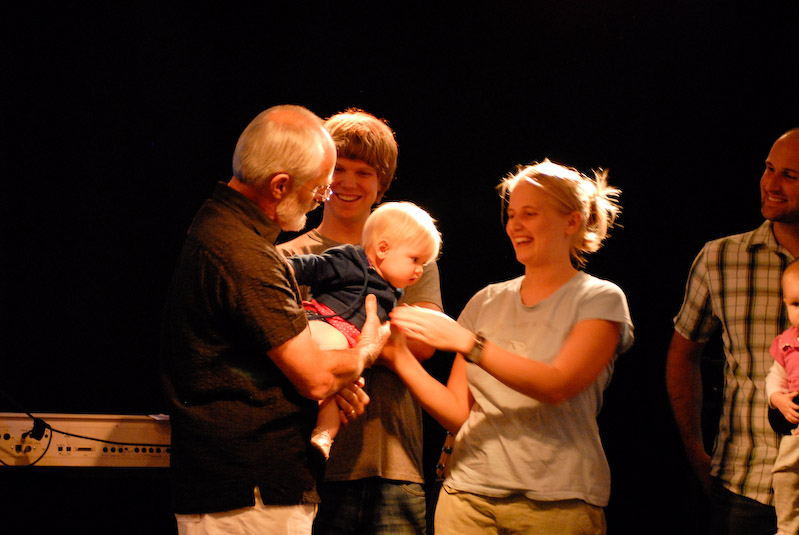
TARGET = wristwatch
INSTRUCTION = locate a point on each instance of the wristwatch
(476, 352)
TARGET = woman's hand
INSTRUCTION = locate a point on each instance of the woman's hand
(433, 328)
(783, 401)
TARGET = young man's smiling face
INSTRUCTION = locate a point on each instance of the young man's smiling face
(355, 186)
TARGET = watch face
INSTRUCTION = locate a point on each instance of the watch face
(476, 351)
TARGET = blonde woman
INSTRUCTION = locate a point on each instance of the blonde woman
(534, 355)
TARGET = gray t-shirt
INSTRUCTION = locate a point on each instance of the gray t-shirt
(514, 444)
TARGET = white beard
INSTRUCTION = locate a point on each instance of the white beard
(290, 215)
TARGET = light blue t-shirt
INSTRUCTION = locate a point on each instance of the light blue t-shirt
(512, 443)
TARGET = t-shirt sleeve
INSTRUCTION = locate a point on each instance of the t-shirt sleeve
(776, 381)
(606, 301)
(469, 314)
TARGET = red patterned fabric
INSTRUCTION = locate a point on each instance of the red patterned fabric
(350, 331)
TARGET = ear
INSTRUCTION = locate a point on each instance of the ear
(573, 222)
(280, 185)
(381, 249)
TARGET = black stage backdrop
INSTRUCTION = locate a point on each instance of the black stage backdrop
(119, 120)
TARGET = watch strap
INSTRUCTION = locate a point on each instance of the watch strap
(476, 352)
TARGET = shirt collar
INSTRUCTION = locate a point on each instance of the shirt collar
(763, 236)
(248, 210)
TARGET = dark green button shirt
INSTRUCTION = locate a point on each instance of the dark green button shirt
(237, 421)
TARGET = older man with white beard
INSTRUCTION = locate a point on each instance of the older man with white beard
(240, 369)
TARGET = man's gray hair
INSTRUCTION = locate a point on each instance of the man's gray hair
(282, 139)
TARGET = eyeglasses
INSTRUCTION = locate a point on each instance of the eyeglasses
(321, 193)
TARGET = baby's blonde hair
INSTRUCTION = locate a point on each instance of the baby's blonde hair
(402, 222)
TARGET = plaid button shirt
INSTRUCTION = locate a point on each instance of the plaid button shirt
(734, 284)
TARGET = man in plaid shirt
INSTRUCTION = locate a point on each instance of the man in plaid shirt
(734, 284)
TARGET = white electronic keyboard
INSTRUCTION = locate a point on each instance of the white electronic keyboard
(100, 440)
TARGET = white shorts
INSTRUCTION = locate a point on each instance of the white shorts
(256, 520)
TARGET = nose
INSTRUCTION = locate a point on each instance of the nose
(769, 181)
(343, 179)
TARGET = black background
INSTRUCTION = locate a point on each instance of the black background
(119, 120)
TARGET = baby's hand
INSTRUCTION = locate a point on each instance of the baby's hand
(396, 347)
(783, 401)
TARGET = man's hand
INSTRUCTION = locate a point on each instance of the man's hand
(373, 334)
(352, 401)
(684, 386)
(701, 462)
